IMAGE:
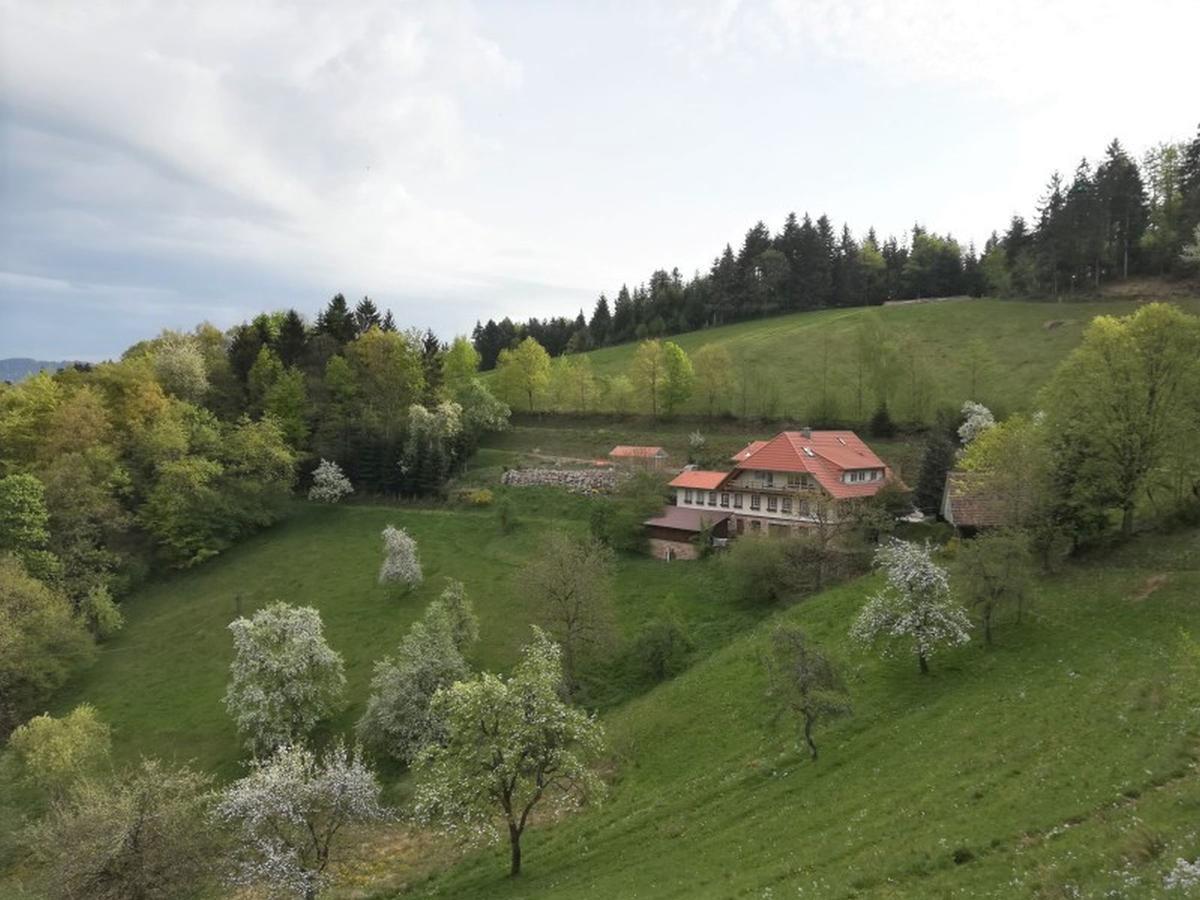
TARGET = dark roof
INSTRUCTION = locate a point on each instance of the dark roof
(966, 502)
(682, 519)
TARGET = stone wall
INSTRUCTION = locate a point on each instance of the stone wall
(577, 481)
(664, 549)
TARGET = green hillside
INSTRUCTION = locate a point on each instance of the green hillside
(786, 357)
(1059, 764)
(160, 681)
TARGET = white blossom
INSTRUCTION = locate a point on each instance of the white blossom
(915, 606)
(509, 745)
(400, 561)
(284, 678)
(288, 812)
(398, 720)
(978, 419)
(330, 484)
(1184, 876)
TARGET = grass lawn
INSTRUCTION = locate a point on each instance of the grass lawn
(159, 683)
(787, 355)
(1060, 763)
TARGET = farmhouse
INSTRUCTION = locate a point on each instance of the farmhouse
(638, 457)
(798, 479)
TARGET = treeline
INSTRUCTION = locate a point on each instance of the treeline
(192, 440)
(1111, 221)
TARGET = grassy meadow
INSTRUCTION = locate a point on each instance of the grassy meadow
(781, 362)
(1060, 763)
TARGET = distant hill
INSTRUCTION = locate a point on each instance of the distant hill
(783, 365)
(18, 367)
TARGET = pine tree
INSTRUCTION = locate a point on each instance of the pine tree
(337, 321)
(293, 337)
(601, 323)
(366, 316)
(389, 323)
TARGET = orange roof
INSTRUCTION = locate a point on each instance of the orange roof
(697, 478)
(823, 454)
(752, 447)
(628, 450)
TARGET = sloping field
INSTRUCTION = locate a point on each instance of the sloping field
(1061, 763)
(780, 363)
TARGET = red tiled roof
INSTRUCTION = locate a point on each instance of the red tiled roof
(752, 447)
(825, 455)
(684, 519)
(967, 504)
(697, 478)
(625, 450)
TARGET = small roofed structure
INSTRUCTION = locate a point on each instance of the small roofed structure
(673, 533)
(698, 479)
(968, 505)
(643, 457)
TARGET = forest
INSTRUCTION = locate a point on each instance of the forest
(1118, 218)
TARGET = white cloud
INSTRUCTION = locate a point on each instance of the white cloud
(308, 137)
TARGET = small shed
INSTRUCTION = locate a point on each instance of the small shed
(673, 533)
(968, 505)
(640, 457)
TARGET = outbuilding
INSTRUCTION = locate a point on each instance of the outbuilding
(673, 533)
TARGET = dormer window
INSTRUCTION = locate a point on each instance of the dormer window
(808, 451)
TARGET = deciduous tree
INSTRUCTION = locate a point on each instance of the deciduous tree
(570, 583)
(284, 678)
(290, 815)
(329, 483)
(914, 608)
(398, 721)
(401, 563)
(803, 681)
(510, 746)
(992, 572)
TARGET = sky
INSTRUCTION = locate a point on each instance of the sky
(165, 163)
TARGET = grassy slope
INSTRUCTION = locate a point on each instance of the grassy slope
(159, 683)
(1059, 764)
(788, 351)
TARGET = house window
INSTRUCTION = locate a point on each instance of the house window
(772, 503)
(712, 498)
(794, 479)
(687, 496)
(755, 501)
(803, 508)
(786, 505)
(725, 500)
(737, 501)
(768, 479)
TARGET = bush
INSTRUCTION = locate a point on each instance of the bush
(101, 614)
(761, 568)
(477, 497)
(663, 648)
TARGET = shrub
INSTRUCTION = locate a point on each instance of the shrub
(53, 752)
(330, 484)
(101, 614)
(663, 648)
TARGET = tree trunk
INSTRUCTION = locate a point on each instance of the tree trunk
(924, 663)
(1127, 519)
(514, 840)
(987, 625)
(812, 747)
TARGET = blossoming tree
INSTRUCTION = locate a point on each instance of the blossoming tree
(289, 812)
(398, 721)
(330, 484)
(509, 745)
(977, 419)
(915, 607)
(401, 565)
(284, 678)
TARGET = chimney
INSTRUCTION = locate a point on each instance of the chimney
(807, 432)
